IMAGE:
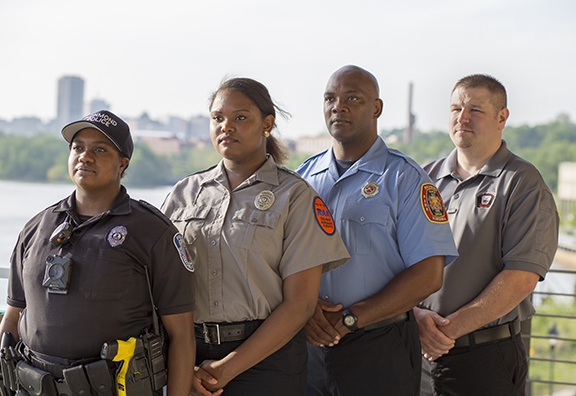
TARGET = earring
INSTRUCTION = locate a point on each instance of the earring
(266, 133)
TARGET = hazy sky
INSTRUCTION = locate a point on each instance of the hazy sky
(166, 57)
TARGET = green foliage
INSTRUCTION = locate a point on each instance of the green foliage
(426, 146)
(147, 168)
(295, 160)
(27, 159)
(194, 159)
(563, 350)
(545, 146)
(43, 157)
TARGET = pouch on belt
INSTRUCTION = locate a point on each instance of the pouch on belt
(100, 378)
(35, 381)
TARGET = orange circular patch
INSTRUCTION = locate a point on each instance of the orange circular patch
(323, 216)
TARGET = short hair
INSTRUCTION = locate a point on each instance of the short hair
(259, 95)
(495, 87)
(358, 69)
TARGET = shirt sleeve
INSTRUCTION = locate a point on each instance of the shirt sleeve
(306, 242)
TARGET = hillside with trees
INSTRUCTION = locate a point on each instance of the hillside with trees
(545, 146)
(43, 158)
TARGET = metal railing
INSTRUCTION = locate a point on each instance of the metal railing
(558, 343)
(550, 338)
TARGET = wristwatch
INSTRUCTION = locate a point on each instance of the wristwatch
(349, 320)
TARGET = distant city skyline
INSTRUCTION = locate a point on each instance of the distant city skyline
(165, 59)
(70, 97)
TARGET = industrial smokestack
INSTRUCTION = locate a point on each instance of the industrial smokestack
(409, 130)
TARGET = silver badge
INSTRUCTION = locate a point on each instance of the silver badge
(264, 200)
(117, 236)
(370, 190)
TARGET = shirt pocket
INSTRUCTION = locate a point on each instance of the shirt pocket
(189, 220)
(106, 274)
(367, 225)
(253, 229)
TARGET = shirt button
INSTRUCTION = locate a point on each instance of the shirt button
(456, 196)
(214, 272)
(213, 242)
(215, 303)
(253, 220)
(326, 298)
(362, 218)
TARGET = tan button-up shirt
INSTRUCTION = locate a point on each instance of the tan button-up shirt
(243, 245)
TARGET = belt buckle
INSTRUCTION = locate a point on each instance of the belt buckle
(206, 333)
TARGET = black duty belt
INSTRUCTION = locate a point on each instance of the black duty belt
(403, 317)
(43, 374)
(489, 334)
(217, 333)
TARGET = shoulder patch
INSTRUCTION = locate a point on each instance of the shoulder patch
(180, 244)
(432, 204)
(323, 216)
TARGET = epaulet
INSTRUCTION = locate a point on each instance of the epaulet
(283, 168)
(154, 210)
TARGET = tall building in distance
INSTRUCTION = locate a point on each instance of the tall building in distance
(98, 104)
(70, 100)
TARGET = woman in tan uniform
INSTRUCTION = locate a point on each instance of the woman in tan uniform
(260, 238)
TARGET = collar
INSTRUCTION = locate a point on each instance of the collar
(493, 167)
(267, 173)
(373, 161)
(120, 206)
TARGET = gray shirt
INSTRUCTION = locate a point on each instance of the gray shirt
(504, 217)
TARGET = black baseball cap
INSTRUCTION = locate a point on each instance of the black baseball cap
(112, 126)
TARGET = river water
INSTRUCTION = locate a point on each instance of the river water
(20, 201)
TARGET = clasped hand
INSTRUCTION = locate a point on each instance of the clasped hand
(206, 382)
(435, 342)
(325, 327)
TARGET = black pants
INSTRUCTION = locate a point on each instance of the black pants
(496, 368)
(281, 374)
(383, 361)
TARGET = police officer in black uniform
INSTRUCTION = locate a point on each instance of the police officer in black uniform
(91, 271)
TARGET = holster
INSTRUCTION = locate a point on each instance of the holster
(138, 381)
(8, 359)
(35, 381)
(100, 377)
(5, 388)
(7, 369)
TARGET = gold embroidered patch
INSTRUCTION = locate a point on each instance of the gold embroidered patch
(432, 204)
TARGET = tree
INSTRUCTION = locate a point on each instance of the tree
(147, 168)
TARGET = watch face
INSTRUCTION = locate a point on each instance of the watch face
(349, 320)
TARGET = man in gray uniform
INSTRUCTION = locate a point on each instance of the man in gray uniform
(505, 225)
